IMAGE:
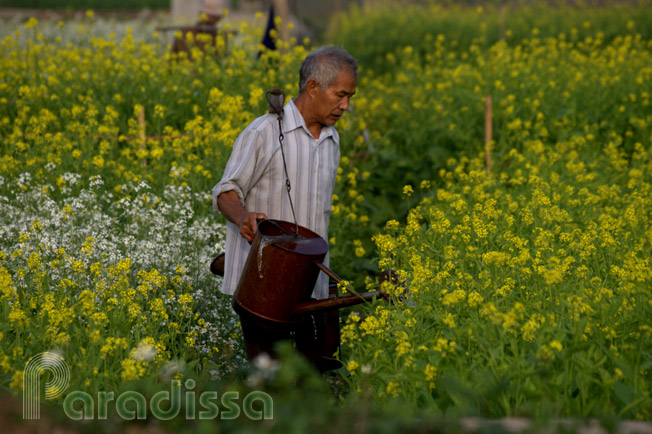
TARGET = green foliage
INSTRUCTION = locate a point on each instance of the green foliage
(86, 4)
(421, 93)
(377, 35)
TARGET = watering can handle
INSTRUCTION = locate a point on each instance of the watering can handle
(338, 279)
(330, 273)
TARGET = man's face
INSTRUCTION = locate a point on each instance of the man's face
(334, 100)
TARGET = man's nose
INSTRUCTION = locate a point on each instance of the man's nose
(344, 104)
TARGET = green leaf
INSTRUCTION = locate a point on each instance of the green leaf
(624, 392)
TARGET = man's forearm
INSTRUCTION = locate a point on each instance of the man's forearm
(229, 204)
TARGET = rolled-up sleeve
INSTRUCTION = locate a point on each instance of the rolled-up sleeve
(241, 169)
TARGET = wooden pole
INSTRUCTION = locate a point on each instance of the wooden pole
(141, 131)
(282, 10)
(487, 132)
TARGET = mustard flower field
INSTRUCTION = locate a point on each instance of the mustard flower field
(523, 283)
(526, 292)
(525, 289)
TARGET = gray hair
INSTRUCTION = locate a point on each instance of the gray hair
(323, 65)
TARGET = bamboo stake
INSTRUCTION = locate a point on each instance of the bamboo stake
(487, 132)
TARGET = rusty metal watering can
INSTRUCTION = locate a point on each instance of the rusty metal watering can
(281, 271)
(274, 291)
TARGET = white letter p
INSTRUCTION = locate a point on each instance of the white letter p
(54, 388)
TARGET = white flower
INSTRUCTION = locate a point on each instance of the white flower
(144, 352)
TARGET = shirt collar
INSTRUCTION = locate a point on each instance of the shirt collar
(293, 119)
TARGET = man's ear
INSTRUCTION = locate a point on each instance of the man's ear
(312, 87)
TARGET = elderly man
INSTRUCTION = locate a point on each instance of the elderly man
(253, 185)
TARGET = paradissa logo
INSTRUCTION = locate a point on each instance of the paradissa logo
(166, 405)
(129, 405)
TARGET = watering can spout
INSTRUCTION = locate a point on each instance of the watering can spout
(328, 304)
(335, 302)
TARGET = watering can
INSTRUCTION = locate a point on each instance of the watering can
(275, 287)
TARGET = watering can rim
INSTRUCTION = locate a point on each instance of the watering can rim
(314, 241)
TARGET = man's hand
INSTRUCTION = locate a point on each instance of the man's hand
(230, 206)
(249, 224)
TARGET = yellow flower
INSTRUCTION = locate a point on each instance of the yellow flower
(16, 380)
(31, 23)
(391, 225)
(449, 320)
(431, 374)
(392, 388)
(352, 366)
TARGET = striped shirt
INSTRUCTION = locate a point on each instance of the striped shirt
(255, 172)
